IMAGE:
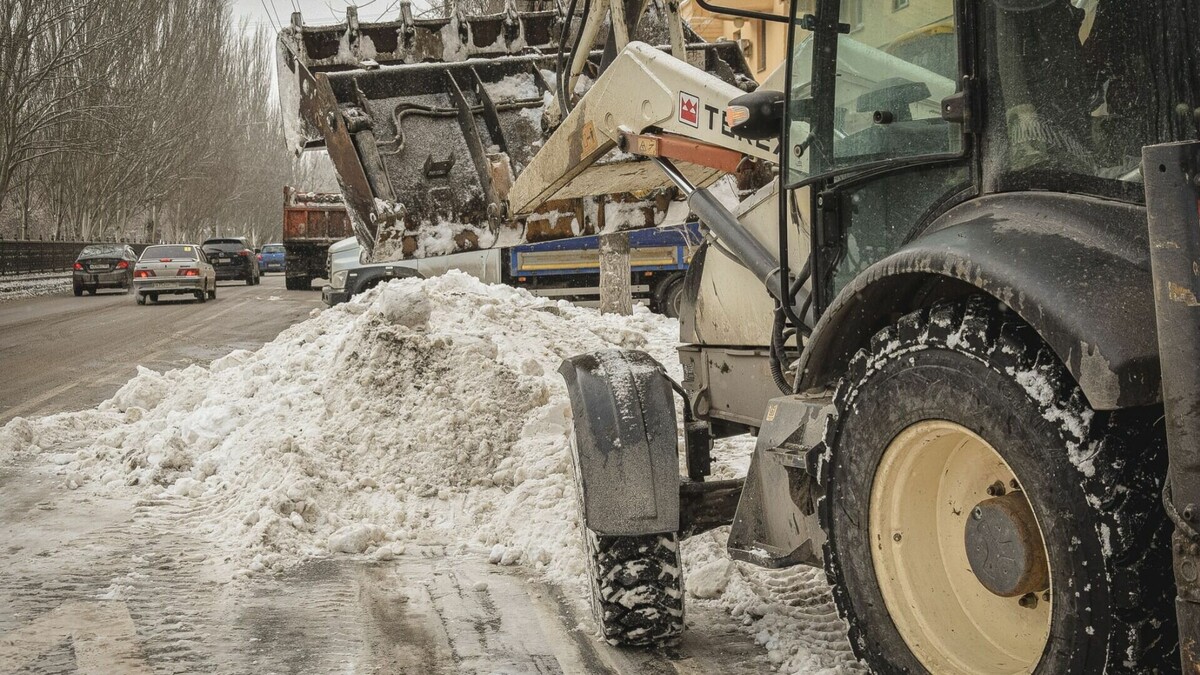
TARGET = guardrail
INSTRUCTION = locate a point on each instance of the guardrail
(28, 257)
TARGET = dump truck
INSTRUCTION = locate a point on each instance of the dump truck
(567, 269)
(312, 222)
(959, 317)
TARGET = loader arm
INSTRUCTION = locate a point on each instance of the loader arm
(673, 97)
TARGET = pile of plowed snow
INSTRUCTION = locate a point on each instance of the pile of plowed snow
(420, 413)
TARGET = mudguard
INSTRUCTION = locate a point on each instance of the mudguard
(626, 442)
(1074, 268)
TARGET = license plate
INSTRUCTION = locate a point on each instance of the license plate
(101, 268)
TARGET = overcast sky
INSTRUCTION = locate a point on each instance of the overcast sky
(272, 13)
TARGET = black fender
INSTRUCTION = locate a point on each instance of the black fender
(626, 442)
(1075, 268)
(361, 278)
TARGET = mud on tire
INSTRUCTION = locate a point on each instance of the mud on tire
(637, 588)
(1094, 477)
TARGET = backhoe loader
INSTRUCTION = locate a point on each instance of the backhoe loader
(957, 307)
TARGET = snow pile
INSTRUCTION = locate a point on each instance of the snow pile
(33, 285)
(422, 413)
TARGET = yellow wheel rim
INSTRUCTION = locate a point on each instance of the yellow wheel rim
(927, 485)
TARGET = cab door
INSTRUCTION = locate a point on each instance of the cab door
(876, 126)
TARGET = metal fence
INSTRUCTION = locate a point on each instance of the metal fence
(31, 257)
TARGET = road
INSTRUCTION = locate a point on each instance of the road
(62, 353)
(93, 584)
(112, 587)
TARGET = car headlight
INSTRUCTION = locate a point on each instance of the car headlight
(338, 280)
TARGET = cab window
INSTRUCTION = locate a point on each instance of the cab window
(1084, 84)
(893, 71)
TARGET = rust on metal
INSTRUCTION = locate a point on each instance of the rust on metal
(683, 149)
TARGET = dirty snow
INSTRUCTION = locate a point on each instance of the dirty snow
(514, 87)
(424, 412)
(33, 285)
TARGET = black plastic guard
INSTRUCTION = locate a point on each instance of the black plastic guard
(626, 442)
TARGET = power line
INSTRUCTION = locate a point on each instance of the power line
(273, 9)
(272, 21)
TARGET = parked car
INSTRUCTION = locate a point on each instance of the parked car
(271, 258)
(176, 269)
(103, 266)
(232, 259)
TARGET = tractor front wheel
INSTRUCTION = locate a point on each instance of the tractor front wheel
(636, 583)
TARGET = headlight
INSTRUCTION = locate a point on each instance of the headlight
(339, 279)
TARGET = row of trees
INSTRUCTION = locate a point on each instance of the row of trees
(140, 120)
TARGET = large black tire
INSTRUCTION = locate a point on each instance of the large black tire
(297, 283)
(1092, 479)
(669, 295)
(212, 294)
(637, 588)
(78, 290)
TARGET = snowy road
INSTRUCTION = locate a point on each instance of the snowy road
(64, 353)
(382, 488)
(122, 586)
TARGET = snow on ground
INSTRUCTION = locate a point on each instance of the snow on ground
(422, 412)
(33, 285)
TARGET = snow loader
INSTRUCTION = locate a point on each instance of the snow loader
(960, 320)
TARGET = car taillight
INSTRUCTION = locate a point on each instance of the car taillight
(165, 259)
(124, 264)
(78, 265)
(142, 274)
(189, 272)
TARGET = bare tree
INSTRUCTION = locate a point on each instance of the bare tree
(41, 43)
(140, 119)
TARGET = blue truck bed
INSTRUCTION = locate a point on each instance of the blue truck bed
(651, 250)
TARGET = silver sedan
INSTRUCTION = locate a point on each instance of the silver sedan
(179, 269)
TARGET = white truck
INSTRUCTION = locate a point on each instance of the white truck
(568, 269)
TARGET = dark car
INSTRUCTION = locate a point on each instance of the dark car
(103, 266)
(232, 259)
(271, 258)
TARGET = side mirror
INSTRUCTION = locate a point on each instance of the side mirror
(758, 115)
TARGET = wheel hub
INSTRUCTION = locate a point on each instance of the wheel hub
(927, 486)
(1005, 548)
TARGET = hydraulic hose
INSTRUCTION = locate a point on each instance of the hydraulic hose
(562, 43)
(564, 76)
